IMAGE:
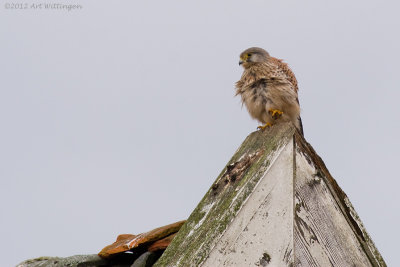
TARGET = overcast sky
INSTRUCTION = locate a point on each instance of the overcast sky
(117, 117)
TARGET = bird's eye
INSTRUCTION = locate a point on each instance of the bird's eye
(249, 55)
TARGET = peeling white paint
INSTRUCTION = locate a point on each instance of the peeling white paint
(254, 232)
(284, 214)
(271, 158)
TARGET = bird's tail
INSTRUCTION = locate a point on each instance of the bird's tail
(300, 126)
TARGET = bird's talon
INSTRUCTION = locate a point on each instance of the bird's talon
(264, 126)
(275, 113)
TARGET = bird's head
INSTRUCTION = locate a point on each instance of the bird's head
(253, 55)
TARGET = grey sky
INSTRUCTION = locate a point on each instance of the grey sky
(118, 117)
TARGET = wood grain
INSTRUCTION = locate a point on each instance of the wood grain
(322, 234)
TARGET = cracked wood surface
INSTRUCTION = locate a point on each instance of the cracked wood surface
(268, 210)
(322, 235)
(274, 204)
(219, 207)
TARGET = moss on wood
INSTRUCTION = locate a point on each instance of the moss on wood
(213, 214)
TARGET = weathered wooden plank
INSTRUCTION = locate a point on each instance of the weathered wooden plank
(342, 201)
(220, 205)
(262, 232)
(275, 204)
(322, 234)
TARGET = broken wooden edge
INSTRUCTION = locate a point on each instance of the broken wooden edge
(235, 171)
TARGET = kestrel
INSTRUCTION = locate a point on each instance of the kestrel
(268, 88)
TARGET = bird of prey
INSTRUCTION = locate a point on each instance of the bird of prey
(268, 88)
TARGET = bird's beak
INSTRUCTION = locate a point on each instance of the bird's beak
(241, 62)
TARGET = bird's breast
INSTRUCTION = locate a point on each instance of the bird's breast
(255, 96)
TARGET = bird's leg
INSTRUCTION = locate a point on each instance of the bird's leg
(264, 126)
(275, 113)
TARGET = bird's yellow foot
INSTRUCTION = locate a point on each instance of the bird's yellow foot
(264, 126)
(275, 113)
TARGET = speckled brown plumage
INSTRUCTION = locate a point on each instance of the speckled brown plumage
(286, 70)
(268, 88)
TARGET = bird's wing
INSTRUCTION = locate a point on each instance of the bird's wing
(292, 78)
(286, 70)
